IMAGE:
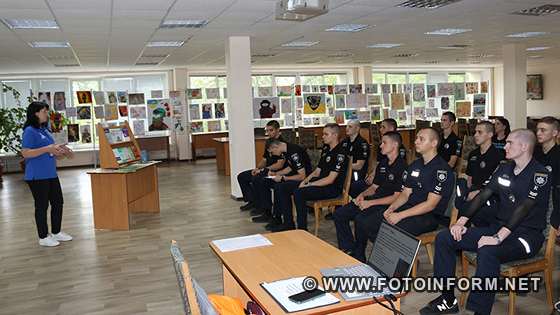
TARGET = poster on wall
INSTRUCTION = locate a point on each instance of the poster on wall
(314, 104)
(375, 113)
(463, 108)
(99, 97)
(122, 97)
(265, 108)
(355, 88)
(386, 88)
(374, 100)
(479, 111)
(211, 93)
(194, 94)
(207, 111)
(356, 100)
(137, 112)
(339, 117)
(214, 125)
(350, 114)
(111, 112)
(85, 133)
(197, 126)
(73, 132)
(484, 87)
(285, 105)
(194, 111)
(340, 101)
(432, 113)
(387, 100)
(341, 89)
(112, 97)
(459, 91)
(297, 90)
(418, 92)
(444, 102)
(431, 90)
(159, 115)
(397, 101)
(431, 103)
(99, 112)
(444, 89)
(364, 115)
(156, 94)
(123, 110)
(284, 90)
(479, 99)
(219, 110)
(407, 88)
(371, 88)
(419, 112)
(136, 99)
(59, 101)
(176, 98)
(534, 87)
(471, 87)
(265, 91)
(45, 97)
(84, 112)
(139, 127)
(56, 121)
(84, 97)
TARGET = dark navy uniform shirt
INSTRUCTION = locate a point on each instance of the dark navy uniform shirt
(358, 150)
(334, 160)
(450, 146)
(499, 144)
(389, 177)
(481, 166)
(296, 159)
(269, 157)
(551, 161)
(532, 183)
(434, 177)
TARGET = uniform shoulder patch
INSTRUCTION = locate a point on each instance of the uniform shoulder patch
(340, 157)
(441, 175)
(540, 179)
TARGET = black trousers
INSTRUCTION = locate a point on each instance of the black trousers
(262, 187)
(311, 193)
(245, 180)
(283, 200)
(47, 191)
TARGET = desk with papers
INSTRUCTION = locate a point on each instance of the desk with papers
(253, 264)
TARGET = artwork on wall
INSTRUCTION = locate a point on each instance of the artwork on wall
(472, 87)
(265, 108)
(263, 91)
(73, 133)
(402, 116)
(285, 105)
(297, 90)
(214, 125)
(194, 111)
(463, 108)
(123, 110)
(479, 99)
(137, 112)
(356, 100)
(339, 117)
(431, 90)
(122, 96)
(99, 112)
(136, 99)
(156, 94)
(479, 111)
(364, 115)
(85, 133)
(84, 112)
(45, 97)
(314, 104)
(55, 121)
(219, 110)
(139, 126)
(341, 89)
(484, 87)
(418, 92)
(432, 113)
(444, 103)
(112, 97)
(59, 101)
(459, 91)
(111, 112)
(386, 88)
(340, 101)
(284, 90)
(84, 97)
(212, 93)
(99, 97)
(371, 88)
(397, 101)
(374, 100)
(207, 111)
(431, 103)
(194, 94)
(350, 114)
(419, 112)
(444, 89)
(355, 88)
(387, 100)
(534, 87)
(197, 126)
(375, 113)
(159, 115)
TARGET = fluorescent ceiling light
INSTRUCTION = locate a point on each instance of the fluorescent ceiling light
(300, 44)
(30, 24)
(537, 48)
(165, 44)
(535, 57)
(527, 34)
(454, 47)
(480, 56)
(183, 23)
(347, 28)
(540, 11)
(449, 31)
(384, 45)
(49, 44)
(426, 4)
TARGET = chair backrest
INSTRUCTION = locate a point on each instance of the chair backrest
(449, 211)
(372, 160)
(306, 138)
(186, 289)
(347, 179)
(289, 135)
(420, 124)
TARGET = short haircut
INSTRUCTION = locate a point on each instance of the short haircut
(433, 133)
(334, 127)
(549, 120)
(274, 142)
(274, 124)
(487, 125)
(390, 122)
(450, 115)
(354, 122)
(526, 136)
(394, 136)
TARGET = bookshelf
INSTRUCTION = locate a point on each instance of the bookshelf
(117, 146)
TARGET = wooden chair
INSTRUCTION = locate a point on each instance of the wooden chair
(428, 239)
(186, 289)
(289, 135)
(306, 138)
(318, 205)
(468, 146)
(542, 262)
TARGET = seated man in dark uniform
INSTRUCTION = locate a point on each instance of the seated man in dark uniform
(522, 186)
(359, 186)
(385, 189)
(269, 162)
(450, 146)
(285, 181)
(548, 154)
(421, 205)
(327, 180)
(358, 148)
(482, 162)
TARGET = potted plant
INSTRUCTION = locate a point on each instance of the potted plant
(11, 121)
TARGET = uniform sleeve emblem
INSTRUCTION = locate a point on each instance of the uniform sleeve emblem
(295, 157)
(404, 175)
(441, 175)
(340, 157)
(482, 164)
(446, 146)
(540, 179)
(391, 177)
(549, 168)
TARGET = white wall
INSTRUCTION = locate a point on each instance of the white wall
(550, 105)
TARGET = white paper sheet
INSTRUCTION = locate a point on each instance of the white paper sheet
(281, 290)
(243, 242)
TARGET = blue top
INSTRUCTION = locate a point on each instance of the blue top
(44, 165)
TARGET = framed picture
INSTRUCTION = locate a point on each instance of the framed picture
(534, 87)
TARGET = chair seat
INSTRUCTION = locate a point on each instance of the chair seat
(471, 257)
(429, 237)
(326, 202)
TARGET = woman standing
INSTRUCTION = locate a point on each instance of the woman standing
(40, 153)
(502, 130)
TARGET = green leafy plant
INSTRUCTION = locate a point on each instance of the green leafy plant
(11, 123)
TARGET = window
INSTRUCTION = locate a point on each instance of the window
(456, 77)
(417, 78)
(378, 78)
(22, 86)
(285, 80)
(396, 78)
(262, 80)
(333, 79)
(311, 80)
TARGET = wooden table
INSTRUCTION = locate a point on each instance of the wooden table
(154, 142)
(116, 193)
(293, 254)
(222, 153)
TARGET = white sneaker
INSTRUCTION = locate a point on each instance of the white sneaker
(48, 241)
(62, 237)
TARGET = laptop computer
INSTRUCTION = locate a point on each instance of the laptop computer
(394, 251)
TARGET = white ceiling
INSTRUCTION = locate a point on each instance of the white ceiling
(112, 34)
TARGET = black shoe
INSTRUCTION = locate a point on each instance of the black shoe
(328, 216)
(283, 227)
(247, 206)
(263, 218)
(256, 212)
(273, 222)
(440, 306)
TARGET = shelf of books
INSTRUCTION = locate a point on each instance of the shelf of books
(117, 146)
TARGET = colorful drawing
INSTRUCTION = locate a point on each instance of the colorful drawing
(214, 125)
(402, 116)
(356, 100)
(263, 91)
(297, 90)
(418, 93)
(386, 88)
(445, 89)
(45, 97)
(374, 100)
(479, 99)
(211, 93)
(431, 90)
(459, 91)
(285, 105)
(139, 126)
(207, 111)
(84, 97)
(156, 94)
(463, 108)
(472, 87)
(339, 116)
(84, 112)
(484, 87)
(56, 121)
(122, 96)
(194, 111)
(314, 104)
(137, 112)
(99, 97)
(375, 113)
(397, 101)
(194, 94)
(371, 88)
(341, 89)
(340, 101)
(219, 110)
(284, 90)
(111, 112)
(355, 88)
(123, 110)
(197, 126)
(419, 112)
(73, 133)
(159, 114)
(99, 112)
(479, 111)
(112, 97)
(265, 107)
(364, 115)
(136, 99)
(534, 87)
(350, 114)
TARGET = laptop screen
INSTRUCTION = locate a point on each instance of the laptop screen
(394, 251)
